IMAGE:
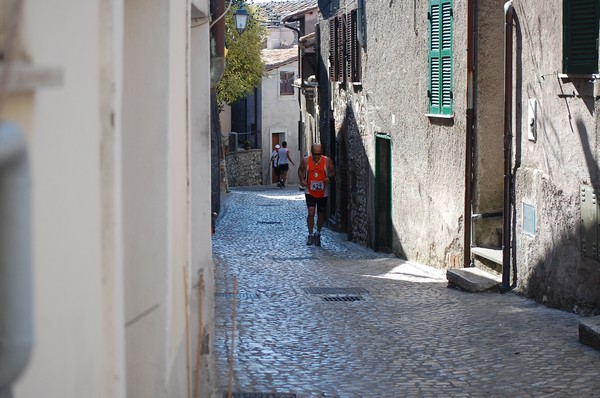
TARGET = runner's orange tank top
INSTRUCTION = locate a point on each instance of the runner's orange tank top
(315, 177)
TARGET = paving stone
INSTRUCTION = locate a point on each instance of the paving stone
(410, 336)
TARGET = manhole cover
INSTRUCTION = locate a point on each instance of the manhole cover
(240, 296)
(342, 298)
(259, 395)
(356, 291)
(301, 258)
(269, 222)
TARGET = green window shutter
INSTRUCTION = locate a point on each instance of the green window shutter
(580, 36)
(440, 57)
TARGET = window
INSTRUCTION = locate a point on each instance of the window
(580, 36)
(285, 83)
(344, 49)
(440, 57)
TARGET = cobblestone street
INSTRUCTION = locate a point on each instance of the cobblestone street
(343, 321)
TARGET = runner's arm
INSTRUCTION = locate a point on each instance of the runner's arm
(330, 169)
(302, 173)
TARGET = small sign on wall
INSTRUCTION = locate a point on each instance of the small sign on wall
(529, 219)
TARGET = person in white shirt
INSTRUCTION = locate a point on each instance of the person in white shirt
(284, 160)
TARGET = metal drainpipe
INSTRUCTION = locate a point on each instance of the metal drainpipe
(469, 133)
(16, 331)
(508, 82)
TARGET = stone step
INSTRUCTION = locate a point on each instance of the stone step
(472, 279)
(589, 331)
(494, 255)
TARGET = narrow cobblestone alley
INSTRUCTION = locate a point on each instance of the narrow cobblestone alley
(343, 321)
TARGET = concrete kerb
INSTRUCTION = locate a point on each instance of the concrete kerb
(589, 331)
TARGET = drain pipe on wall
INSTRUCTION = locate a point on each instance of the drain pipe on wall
(468, 210)
(508, 83)
(16, 330)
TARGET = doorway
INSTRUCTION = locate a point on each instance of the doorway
(383, 193)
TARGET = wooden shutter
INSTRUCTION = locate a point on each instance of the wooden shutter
(340, 43)
(440, 57)
(332, 50)
(348, 45)
(285, 83)
(580, 36)
(446, 58)
(354, 74)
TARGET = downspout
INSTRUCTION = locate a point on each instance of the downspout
(508, 83)
(469, 133)
(16, 331)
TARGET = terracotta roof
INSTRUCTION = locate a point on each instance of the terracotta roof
(279, 57)
(292, 16)
(273, 11)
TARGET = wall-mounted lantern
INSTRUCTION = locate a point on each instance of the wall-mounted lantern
(241, 19)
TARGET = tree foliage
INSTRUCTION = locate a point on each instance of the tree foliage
(243, 65)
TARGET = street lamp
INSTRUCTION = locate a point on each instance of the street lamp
(241, 19)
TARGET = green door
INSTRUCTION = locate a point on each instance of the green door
(383, 193)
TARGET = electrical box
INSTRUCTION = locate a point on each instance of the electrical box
(531, 119)
(589, 222)
(529, 219)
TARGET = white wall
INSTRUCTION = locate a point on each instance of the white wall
(200, 179)
(77, 265)
(280, 114)
(120, 169)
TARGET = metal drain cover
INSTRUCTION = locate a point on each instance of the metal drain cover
(342, 298)
(240, 296)
(355, 291)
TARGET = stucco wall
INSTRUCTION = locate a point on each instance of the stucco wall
(552, 168)
(428, 153)
(280, 114)
(489, 105)
(74, 165)
(200, 218)
(119, 183)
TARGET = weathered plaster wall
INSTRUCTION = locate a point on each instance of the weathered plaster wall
(118, 192)
(428, 153)
(200, 174)
(280, 114)
(244, 168)
(489, 105)
(565, 156)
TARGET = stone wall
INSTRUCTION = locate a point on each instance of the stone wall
(244, 168)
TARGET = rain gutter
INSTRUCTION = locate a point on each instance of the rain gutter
(508, 83)
(468, 210)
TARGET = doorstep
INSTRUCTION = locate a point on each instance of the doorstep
(589, 331)
(472, 279)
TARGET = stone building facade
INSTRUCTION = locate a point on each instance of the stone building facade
(431, 136)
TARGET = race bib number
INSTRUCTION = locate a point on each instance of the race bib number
(317, 185)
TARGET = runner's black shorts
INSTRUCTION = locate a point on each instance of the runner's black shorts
(284, 167)
(319, 203)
